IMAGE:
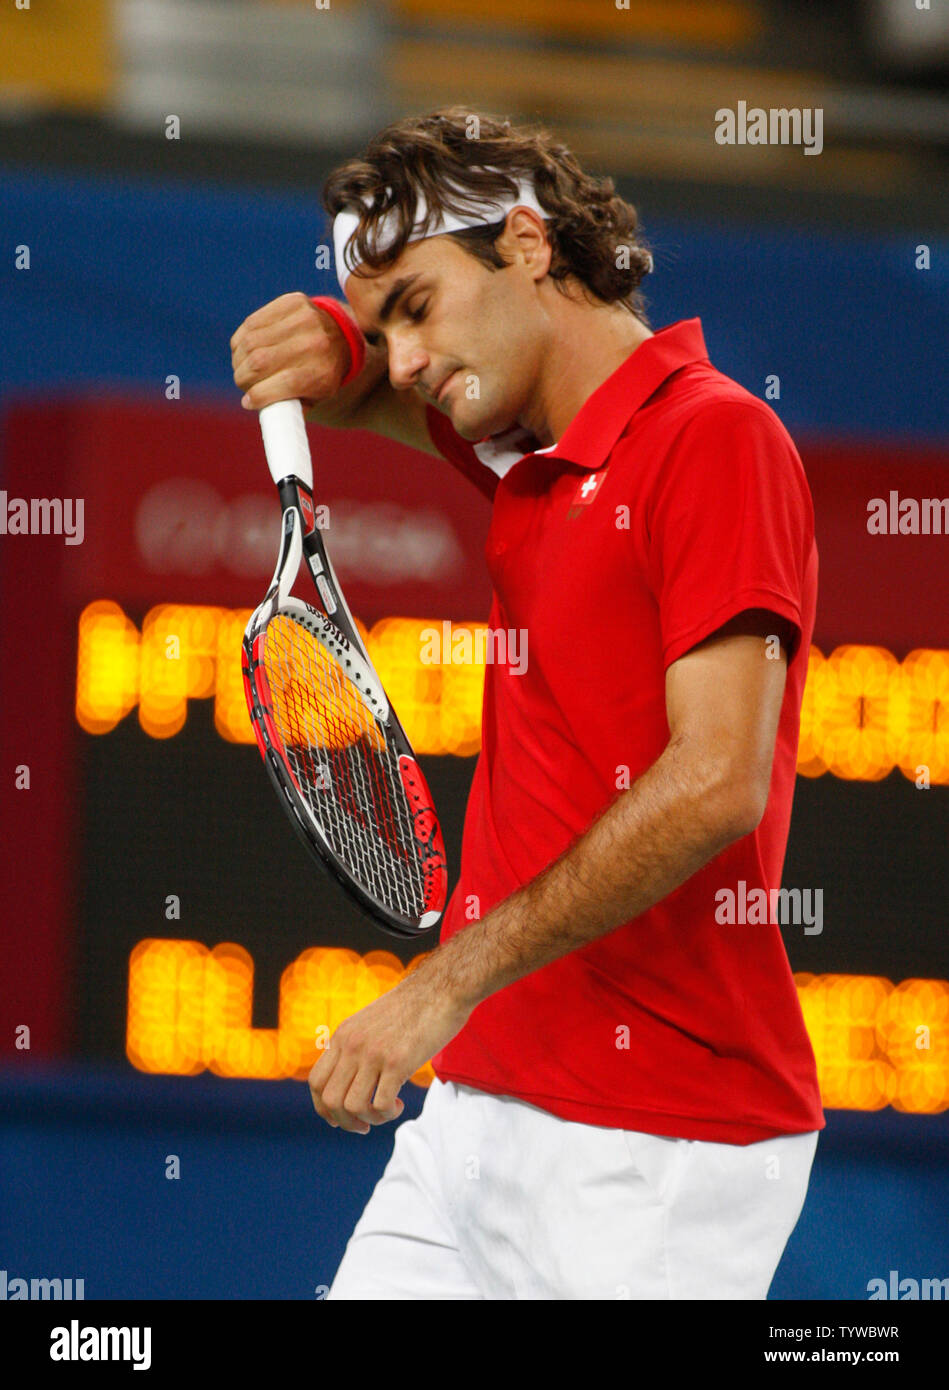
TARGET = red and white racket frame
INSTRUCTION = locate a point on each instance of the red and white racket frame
(288, 457)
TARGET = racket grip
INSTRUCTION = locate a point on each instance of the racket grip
(285, 442)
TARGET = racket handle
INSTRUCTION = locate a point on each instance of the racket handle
(285, 442)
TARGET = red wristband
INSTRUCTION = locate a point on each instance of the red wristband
(354, 339)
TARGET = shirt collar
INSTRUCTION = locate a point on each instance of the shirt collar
(592, 433)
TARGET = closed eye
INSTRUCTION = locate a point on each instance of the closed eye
(415, 315)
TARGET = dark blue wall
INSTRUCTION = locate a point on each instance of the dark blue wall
(268, 1193)
(134, 279)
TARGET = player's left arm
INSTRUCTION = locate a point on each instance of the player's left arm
(708, 788)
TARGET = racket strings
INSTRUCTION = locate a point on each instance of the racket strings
(346, 772)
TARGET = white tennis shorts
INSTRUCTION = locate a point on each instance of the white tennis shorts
(489, 1197)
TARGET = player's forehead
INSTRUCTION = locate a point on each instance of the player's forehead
(370, 293)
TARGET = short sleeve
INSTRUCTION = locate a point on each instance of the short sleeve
(729, 525)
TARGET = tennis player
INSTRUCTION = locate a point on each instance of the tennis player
(626, 1103)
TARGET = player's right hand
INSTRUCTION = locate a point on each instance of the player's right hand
(288, 350)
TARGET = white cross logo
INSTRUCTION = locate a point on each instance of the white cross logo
(589, 485)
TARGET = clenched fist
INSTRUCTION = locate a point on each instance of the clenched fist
(290, 350)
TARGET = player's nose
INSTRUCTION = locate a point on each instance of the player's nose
(406, 363)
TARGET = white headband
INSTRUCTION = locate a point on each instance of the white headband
(486, 211)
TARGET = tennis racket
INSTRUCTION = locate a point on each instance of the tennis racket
(331, 742)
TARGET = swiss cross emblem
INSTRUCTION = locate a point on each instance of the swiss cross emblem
(585, 493)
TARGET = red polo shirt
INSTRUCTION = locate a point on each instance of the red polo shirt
(674, 501)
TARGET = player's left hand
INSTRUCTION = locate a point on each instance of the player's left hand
(356, 1082)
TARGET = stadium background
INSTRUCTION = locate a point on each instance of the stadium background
(149, 934)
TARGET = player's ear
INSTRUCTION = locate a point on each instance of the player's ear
(525, 238)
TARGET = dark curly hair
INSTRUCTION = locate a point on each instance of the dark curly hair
(594, 234)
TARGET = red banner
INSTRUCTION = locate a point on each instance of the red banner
(179, 507)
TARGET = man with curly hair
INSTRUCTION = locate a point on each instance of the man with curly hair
(626, 1102)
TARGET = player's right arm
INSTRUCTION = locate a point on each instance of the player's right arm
(291, 349)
